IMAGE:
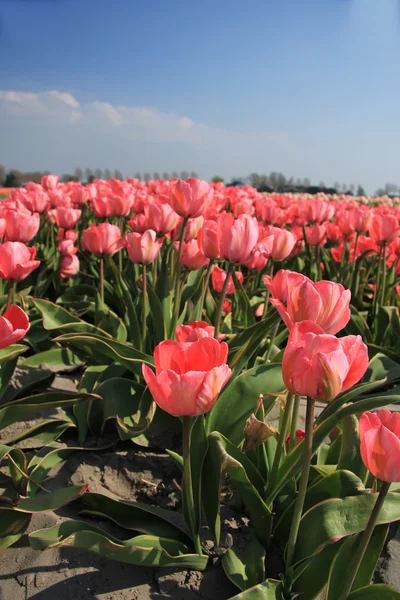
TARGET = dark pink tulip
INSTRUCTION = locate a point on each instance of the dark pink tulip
(189, 198)
(14, 325)
(143, 248)
(17, 261)
(102, 239)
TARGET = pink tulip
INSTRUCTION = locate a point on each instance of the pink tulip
(190, 198)
(281, 285)
(102, 239)
(2, 227)
(37, 201)
(49, 182)
(67, 247)
(192, 256)
(19, 226)
(17, 261)
(195, 331)
(69, 265)
(324, 302)
(320, 365)
(143, 248)
(316, 235)
(65, 217)
(380, 444)
(112, 206)
(384, 229)
(237, 237)
(189, 375)
(14, 325)
(218, 278)
(161, 217)
(278, 244)
(208, 239)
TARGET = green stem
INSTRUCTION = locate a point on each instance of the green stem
(102, 283)
(383, 282)
(10, 295)
(281, 441)
(271, 341)
(197, 315)
(221, 301)
(144, 306)
(188, 486)
(377, 285)
(266, 299)
(177, 295)
(351, 573)
(298, 509)
(293, 425)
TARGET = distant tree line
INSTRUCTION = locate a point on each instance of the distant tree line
(274, 182)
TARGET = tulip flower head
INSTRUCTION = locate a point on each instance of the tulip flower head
(14, 325)
(17, 261)
(380, 444)
(320, 365)
(189, 375)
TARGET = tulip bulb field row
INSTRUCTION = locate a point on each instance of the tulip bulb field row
(189, 314)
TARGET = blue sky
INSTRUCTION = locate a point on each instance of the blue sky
(310, 88)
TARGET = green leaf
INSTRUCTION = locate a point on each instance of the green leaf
(163, 292)
(156, 313)
(17, 463)
(134, 324)
(245, 569)
(145, 550)
(378, 591)
(268, 590)
(145, 518)
(291, 465)
(98, 346)
(11, 352)
(6, 373)
(314, 577)
(239, 398)
(57, 359)
(191, 287)
(244, 302)
(52, 500)
(224, 457)
(23, 408)
(339, 484)
(382, 367)
(333, 519)
(45, 431)
(344, 559)
(198, 451)
(243, 345)
(350, 456)
(117, 397)
(12, 526)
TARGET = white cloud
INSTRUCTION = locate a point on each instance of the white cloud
(53, 130)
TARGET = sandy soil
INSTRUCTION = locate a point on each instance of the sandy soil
(129, 473)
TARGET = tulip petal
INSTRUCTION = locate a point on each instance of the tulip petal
(380, 452)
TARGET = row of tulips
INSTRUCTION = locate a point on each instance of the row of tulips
(241, 301)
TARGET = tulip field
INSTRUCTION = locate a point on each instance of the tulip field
(246, 344)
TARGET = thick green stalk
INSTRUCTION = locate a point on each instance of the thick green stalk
(293, 425)
(266, 299)
(351, 573)
(102, 283)
(10, 295)
(221, 301)
(177, 285)
(144, 307)
(281, 441)
(298, 509)
(187, 484)
(206, 280)
(271, 341)
(383, 282)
